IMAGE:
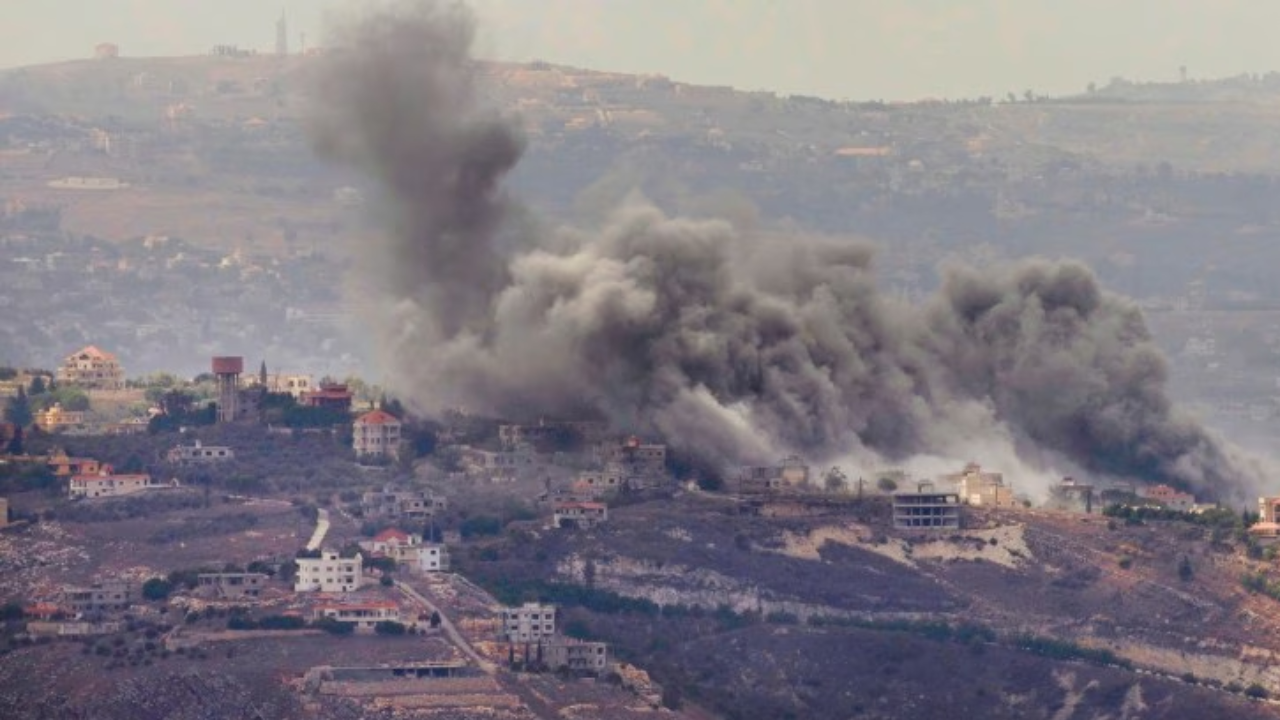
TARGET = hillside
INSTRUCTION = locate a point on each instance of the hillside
(819, 611)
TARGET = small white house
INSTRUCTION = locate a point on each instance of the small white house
(425, 558)
(198, 453)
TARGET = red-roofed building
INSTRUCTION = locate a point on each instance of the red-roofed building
(42, 611)
(580, 514)
(330, 396)
(376, 434)
(92, 368)
(387, 541)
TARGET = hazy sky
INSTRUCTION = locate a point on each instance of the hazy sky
(856, 49)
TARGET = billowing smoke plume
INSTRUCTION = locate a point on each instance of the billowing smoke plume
(734, 346)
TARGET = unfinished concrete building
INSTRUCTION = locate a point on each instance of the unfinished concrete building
(1072, 496)
(578, 656)
(392, 504)
(977, 487)
(232, 586)
(100, 597)
(199, 453)
(926, 509)
(634, 457)
(549, 436)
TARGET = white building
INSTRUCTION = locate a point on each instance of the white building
(97, 486)
(294, 385)
(424, 558)
(579, 514)
(198, 453)
(376, 434)
(328, 573)
(365, 616)
(530, 622)
(390, 540)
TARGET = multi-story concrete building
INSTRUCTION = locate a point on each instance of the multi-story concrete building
(548, 436)
(530, 622)
(423, 559)
(364, 615)
(199, 453)
(295, 385)
(1168, 497)
(233, 586)
(1071, 495)
(92, 368)
(926, 509)
(100, 597)
(332, 396)
(108, 485)
(394, 504)
(1267, 529)
(58, 419)
(63, 465)
(328, 573)
(976, 487)
(578, 656)
(635, 456)
(376, 434)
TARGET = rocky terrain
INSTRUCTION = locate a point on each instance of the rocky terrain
(1025, 614)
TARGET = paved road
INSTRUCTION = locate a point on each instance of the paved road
(322, 528)
(452, 632)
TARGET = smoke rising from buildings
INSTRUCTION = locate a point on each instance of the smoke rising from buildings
(736, 346)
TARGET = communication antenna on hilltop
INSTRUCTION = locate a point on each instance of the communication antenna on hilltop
(282, 35)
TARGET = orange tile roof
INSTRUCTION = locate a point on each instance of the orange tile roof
(580, 505)
(377, 417)
(95, 352)
(391, 534)
(104, 478)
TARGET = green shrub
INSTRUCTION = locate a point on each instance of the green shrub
(389, 627)
(156, 589)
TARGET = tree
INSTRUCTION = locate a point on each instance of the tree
(16, 445)
(37, 385)
(389, 627)
(156, 589)
(835, 480)
(1185, 571)
(886, 484)
(18, 409)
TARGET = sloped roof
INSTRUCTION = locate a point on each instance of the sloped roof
(391, 534)
(377, 417)
(94, 352)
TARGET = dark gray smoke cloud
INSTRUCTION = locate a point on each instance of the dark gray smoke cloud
(733, 345)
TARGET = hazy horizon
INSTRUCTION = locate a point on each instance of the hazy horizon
(860, 49)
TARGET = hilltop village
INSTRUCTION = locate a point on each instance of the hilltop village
(238, 510)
